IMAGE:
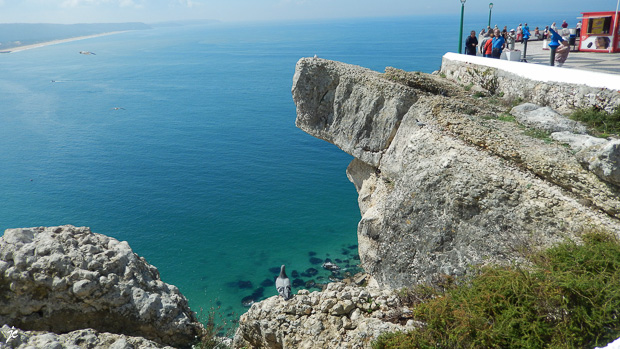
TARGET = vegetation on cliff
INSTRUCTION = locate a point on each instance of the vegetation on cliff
(567, 298)
(600, 122)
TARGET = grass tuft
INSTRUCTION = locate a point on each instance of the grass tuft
(506, 117)
(215, 330)
(540, 134)
(569, 298)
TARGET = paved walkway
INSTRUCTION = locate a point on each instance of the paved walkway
(593, 61)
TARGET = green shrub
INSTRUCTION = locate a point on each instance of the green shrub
(569, 298)
(599, 121)
(506, 117)
(540, 134)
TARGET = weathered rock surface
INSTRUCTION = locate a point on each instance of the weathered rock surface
(443, 182)
(339, 317)
(603, 160)
(62, 279)
(560, 96)
(600, 156)
(545, 118)
(343, 102)
(577, 142)
(87, 338)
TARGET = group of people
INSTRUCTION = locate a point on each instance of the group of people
(492, 41)
(492, 45)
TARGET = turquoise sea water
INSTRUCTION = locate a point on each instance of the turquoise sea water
(201, 169)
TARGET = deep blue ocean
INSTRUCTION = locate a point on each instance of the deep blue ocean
(182, 141)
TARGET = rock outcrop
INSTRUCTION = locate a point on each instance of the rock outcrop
(342, 316)
(546, 119)
(598, 155)
(444, 181)
(535, 83)
(87, 338)
(63, 279)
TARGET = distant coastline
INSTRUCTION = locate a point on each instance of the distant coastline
(54, 42)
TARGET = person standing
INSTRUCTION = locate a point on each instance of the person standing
(561, 53)
(564, 24)
(471, 43)
(488, 46)
(553, 27)
(510, 40)
(578, 31)
(525, 29)
(519, 32)
(498, 44)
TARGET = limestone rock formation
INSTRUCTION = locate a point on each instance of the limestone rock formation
(600, 156)
(577, 142)
(87, 338)
(603, 159)
(62, 279)
(558, 95)
(443, 181)
(545, 118)
(342, 316)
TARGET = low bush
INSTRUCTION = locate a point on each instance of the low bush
(600, 122)
(568, 298)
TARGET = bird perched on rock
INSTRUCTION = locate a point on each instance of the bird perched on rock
(419, 123)
(283, 284)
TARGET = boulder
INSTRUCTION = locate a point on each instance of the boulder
(603, 160)
(545, 118)
(577, 142)
(342, 316)
(87, 338)
(66, 278)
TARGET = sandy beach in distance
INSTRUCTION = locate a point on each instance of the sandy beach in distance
(54, 42)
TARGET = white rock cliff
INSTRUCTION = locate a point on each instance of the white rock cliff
(63, 279)
(445, 181)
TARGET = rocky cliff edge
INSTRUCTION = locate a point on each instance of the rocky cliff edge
(63, 286)
(448, 176)
(444, 180)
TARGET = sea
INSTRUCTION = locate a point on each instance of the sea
(181, 140)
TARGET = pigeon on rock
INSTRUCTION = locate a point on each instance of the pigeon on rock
(283, 284)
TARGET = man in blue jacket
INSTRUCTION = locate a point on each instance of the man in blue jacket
(498, 44)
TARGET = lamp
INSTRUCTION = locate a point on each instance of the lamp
(490, 8)
(461, 33)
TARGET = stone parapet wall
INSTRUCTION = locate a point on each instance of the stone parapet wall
(560, 88)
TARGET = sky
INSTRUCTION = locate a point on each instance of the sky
(150, 11)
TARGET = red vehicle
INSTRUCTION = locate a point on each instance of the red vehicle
(599, 32)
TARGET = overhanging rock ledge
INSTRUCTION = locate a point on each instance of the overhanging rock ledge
(443, 181)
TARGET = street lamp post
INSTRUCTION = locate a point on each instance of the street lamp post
(461, 33)
(490, 8)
